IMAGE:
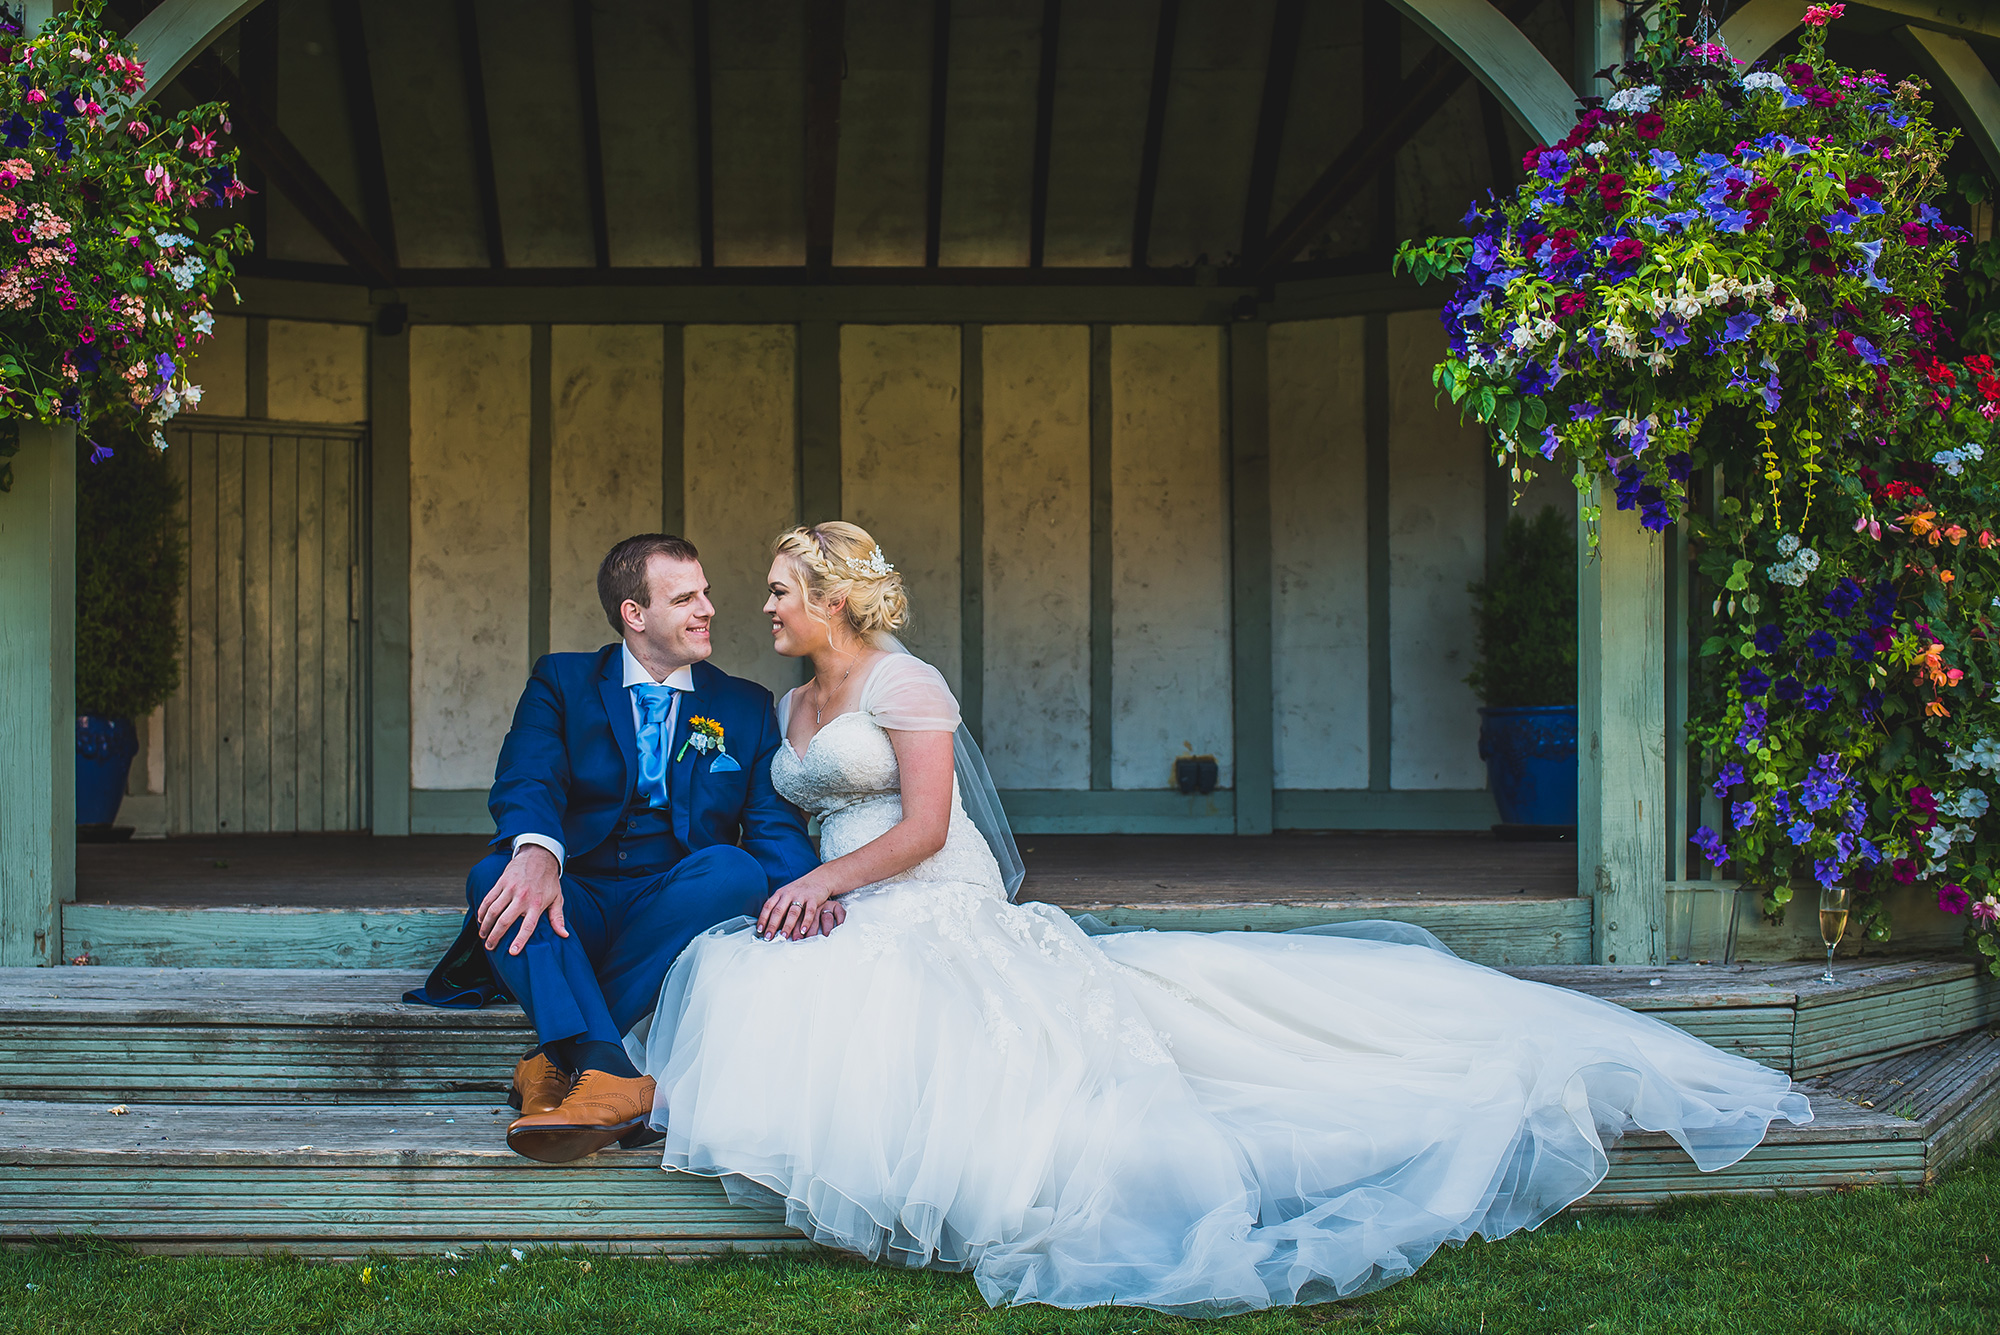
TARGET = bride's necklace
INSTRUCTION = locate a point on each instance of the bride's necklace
(820, 693)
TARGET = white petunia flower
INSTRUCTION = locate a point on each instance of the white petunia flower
(1763, 81)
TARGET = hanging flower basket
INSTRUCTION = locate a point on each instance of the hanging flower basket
(107, 282)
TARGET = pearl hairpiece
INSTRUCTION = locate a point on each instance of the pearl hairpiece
(874, 565)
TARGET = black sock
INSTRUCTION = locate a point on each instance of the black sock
(609, 1058)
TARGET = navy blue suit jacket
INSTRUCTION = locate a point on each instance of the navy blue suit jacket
(570, 767)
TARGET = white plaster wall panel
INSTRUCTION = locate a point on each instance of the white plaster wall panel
(1209, 135)
(1319, 556)
(538, 164)
(878, 211)
(1437, 545)
(219, 365)
(427, 140)
(1170, 615)
(758, 92)
(1104, 68)
(604, 463)
(1325, 109)
(1037, 555)
(741, 465)
(989, 156)
(318, 372)
(645, 98)
(899, 469)
(468, 547)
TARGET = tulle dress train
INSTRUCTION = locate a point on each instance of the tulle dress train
(1204, 1123)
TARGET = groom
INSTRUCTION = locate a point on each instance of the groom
(634, 811)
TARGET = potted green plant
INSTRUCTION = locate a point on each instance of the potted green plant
(129, 560)
(1526, 673)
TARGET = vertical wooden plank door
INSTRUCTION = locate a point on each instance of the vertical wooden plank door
(264, 734)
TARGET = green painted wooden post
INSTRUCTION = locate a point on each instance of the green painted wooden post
(1100, 557)
(1375, 484)
(389, 582)
(38, 686)
(1250, 567)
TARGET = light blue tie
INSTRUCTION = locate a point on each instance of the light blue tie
(656, 705)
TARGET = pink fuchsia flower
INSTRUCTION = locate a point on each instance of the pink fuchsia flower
(1953, 899)
(1985, 910)
(202, 145)
(36, 95)
(1870, 525)
(1818, 16)
(138, 129)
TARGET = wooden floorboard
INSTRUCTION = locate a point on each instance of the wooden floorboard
(357, 871)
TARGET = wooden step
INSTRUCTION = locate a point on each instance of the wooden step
(331, 1036)
(347, 1180)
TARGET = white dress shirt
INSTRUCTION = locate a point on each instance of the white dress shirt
(680, 679)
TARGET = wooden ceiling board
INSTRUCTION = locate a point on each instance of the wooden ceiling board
(426, 140)
(1442, 168)
(759, 94)
(1325, 115)
(1211, 131)
(534, 111)
(884, 134)
(989, 156)
(645, 83)
(313, 113)
(1104, 68)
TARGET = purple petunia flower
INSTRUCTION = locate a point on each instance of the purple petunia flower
(1737, 327)
(1843, 599)
(1822, 644)
(1863, 646)
(1868, 352)
(1754, 722)
(1788, 688)
(1728, 775)
(1818, 698)
(99, 453)
(1827, 870)
(1753, 682)
(1711, 845)
(1671, 332)
(1772, 396)
(1953, 899)
(1768, 639)
(1742, 815)
(1799, 831)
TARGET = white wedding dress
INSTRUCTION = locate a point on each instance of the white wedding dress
(1199, 1123)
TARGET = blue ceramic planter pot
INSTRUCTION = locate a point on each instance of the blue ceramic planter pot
(104, 751)
(1530, 755)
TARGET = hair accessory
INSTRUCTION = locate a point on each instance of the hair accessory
(874, 565)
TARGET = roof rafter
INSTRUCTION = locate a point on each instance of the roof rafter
(1287, 20)
(473, 70)
(585, 40)
(1045, 108)
(364, 123)
(826, 59)
(1156, 124)
(934, 159)
(1422, 92)
(207, 79)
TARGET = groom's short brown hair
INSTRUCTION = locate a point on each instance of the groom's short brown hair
(622, 574)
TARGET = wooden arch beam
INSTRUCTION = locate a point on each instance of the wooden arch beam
(1962, 77)
(1500, 56)
(177, 31)
(1757, 26)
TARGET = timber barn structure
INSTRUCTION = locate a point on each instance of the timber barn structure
(1083, 308)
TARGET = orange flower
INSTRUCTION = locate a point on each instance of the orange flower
(1956, 534)
(1986, 537)
(1946, 576)
(1936, 709)
(1921, 522)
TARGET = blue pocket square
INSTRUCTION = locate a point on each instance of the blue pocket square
(722, 764)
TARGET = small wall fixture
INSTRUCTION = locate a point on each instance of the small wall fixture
(1195, 774)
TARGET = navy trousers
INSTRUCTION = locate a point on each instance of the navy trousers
(625, 931)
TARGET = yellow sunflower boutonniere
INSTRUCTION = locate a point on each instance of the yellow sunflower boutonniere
(705, 735)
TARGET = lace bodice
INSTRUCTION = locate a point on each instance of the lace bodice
(848, 777)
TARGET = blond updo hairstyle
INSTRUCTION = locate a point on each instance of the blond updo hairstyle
(837, 561)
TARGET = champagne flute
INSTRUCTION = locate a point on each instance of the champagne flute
(1833, 904)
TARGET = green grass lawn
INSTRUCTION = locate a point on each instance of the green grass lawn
(1875, 1261)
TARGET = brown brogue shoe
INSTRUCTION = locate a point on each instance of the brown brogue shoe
(601, 1109)
(539, 1085)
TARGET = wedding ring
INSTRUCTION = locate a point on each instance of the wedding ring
(798, 903)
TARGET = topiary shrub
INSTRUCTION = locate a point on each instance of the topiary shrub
(130, 558)
(1527, 616)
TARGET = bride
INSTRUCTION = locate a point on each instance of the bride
(1193, 1122)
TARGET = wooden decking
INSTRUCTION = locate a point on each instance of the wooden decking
(233, 1111)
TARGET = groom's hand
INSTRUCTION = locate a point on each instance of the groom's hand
(529, 887)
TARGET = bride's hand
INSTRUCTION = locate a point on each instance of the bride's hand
(797, 911)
